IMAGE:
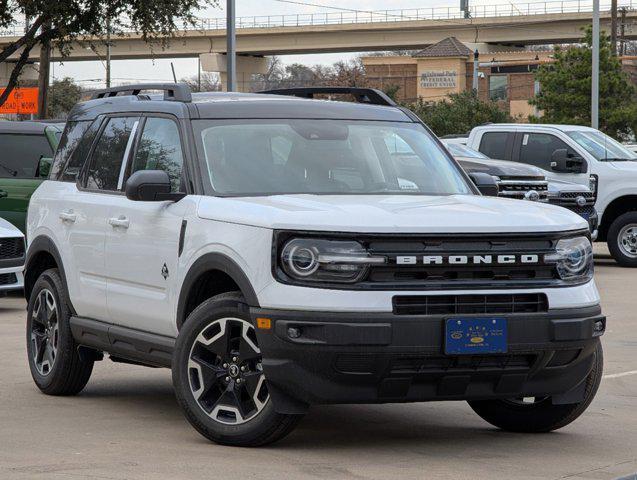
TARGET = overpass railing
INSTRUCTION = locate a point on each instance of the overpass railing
(384, 16)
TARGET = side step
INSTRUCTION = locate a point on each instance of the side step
(142, 347)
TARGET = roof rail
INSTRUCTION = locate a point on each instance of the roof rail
(176, 92)
(362, 95)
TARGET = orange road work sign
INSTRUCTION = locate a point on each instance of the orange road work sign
(21, 100)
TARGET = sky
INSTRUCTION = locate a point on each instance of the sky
(91, 74)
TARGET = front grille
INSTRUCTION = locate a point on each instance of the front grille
(512, 187)
(470, 304)
(447, 275)
(11, 248)
(569, 200)
(8, 279)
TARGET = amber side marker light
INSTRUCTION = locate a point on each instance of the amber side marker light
(264, 323)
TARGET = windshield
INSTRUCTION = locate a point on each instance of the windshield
(458, 150)
(270, 157)
(601, 146)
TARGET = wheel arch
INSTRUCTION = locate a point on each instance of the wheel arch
(42, 254)
(210, 275)
(619, 206)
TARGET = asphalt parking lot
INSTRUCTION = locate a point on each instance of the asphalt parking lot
(126, 424)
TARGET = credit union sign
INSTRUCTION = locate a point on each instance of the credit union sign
(439, 79)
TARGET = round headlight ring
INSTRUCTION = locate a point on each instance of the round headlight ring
(302, 261)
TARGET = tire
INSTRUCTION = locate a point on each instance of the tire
(622, 239)
(218, 378)
(540, 416)
(54, 361)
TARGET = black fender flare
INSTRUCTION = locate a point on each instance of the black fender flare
(214, 261)
(43, 243)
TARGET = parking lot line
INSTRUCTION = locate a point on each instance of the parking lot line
(619, 375)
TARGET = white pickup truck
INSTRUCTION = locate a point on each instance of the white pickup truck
(576, 154)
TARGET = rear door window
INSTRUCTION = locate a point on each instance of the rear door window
(20, 154)
(106, 169)
(537, 149)
(494, 145)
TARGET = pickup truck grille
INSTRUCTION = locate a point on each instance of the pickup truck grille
(470, 304)
(572, 201)
(514, 187)
(11, 248)
(461, 261)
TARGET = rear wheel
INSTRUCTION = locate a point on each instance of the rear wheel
(538, 414)
(622, 239)
(54, 360)
(219, 379)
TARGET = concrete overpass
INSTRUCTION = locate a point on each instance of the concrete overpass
(519, 24)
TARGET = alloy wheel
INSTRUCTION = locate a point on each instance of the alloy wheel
(225, 372)
(45, 332)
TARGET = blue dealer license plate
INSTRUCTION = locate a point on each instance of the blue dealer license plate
(475, 336)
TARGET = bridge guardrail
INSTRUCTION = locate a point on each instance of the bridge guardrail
(385, 16)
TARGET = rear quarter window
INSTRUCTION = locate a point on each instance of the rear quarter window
(493, 145)
(73, 150)
(20, 154)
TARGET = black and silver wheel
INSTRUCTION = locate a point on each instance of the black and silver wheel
(622, 239)
(45, 332)
(539, 414)
(54, 361)
(219, 379)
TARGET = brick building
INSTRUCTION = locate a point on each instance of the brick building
(505, 76)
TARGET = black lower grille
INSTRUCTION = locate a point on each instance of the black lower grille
(469, 304)
(8, 279)
(11, 248)
(424, 364)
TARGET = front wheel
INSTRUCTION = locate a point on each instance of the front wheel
(622, 239)
(219, 379)
(538, 414)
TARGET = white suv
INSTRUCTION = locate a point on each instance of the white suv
(576, 154)
(276, 254)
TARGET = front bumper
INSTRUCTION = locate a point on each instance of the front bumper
(11, 278)
(382, 357)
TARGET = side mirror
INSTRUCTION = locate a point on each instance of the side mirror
(151, 186)
(485, 183)
(44, 167)
(562, 162)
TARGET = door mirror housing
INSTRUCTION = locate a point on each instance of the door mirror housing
(485, 183)
(563, 162)
(44, 167)
(151, 186)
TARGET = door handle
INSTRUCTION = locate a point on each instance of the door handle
(3, 194)
(119, 222)
(68, 216)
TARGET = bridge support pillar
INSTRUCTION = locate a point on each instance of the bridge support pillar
(247, 68)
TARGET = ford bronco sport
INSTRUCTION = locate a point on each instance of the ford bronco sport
(273, 252)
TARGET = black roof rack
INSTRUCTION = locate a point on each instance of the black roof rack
(177, 92)
(362, 95)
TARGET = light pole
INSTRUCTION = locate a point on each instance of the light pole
(232, 46)
(595, 68)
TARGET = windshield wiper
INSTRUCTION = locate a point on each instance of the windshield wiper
(616, 159)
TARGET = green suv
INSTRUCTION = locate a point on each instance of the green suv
(27, 149)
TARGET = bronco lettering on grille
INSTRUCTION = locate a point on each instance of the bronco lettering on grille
(466, 259)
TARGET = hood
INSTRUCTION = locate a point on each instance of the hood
(500, 168)
(391, 213)
(557, 186)
(8, 230)
(627, 165)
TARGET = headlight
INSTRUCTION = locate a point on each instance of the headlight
(573, 258)
(317, 260)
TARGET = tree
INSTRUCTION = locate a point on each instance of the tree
(565, 95)
(459, 113)
(63, 94)
(206, 82)
(65, 23)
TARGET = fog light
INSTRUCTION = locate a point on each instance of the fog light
(294, 332)
(598, 327)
